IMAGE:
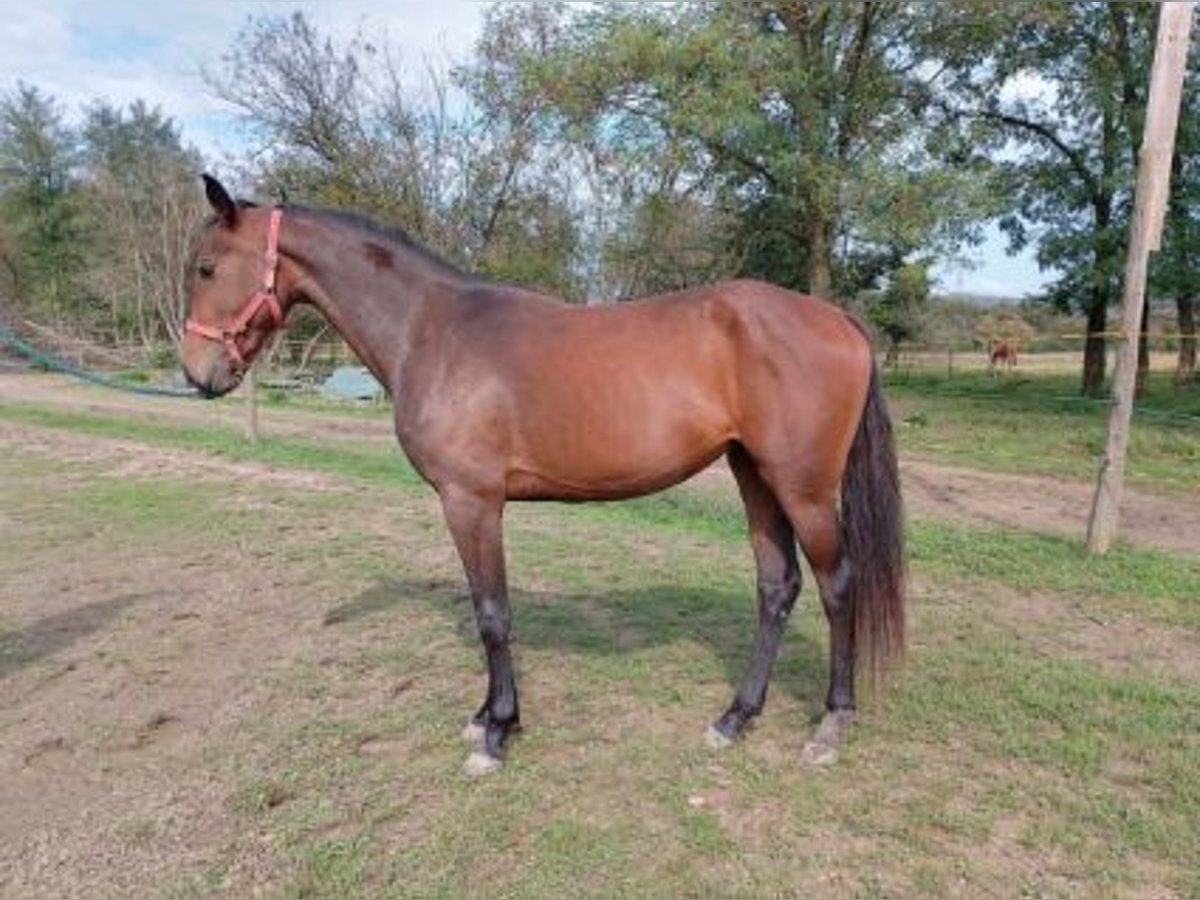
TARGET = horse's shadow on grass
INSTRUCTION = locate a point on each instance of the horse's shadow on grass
(614, 623)
(54, 633)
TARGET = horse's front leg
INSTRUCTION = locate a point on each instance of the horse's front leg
(475, 523)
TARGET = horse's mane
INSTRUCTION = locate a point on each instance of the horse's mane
(389, 233)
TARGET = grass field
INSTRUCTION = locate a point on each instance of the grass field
(233, 670)
(1019, 423)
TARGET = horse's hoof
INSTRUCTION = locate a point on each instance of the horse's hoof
(716, 740)
(479, 764)
(474, 732)
(822, 750)
(816, 753)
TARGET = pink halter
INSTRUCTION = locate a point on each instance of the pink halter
(229, 333)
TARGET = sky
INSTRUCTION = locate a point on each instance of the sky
(122, 50)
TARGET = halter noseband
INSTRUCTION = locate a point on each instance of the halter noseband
(229, 333)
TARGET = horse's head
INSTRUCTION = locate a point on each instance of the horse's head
(231, 296)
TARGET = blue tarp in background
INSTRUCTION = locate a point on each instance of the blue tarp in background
(352, 383)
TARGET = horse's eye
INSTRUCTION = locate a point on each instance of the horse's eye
(206, 268)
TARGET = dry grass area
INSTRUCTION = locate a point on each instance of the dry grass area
(233, 672)
(1039, 362)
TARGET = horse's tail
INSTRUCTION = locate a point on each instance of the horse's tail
(873, 536)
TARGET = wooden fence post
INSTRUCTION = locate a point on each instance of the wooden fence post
(252, 404)
(1154, 177)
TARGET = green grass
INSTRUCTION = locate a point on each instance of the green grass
(1165, 586)
(1007, 759)
(1041, 425)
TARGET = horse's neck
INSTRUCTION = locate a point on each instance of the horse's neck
(376, 292)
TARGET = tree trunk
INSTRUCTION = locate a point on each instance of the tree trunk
(1094, 361)
(892, 358)
(820, 268)
(1093, 349)
(1185, 368)
(1142, 379)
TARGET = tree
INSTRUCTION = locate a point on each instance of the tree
(143, 204)
(306, 101)
(38, 202)
(673, 240)
(516, 206)
(950, 322)
(1064, 90)
(896, 311)
(343, 126)
(1004, 326)
(798, 119)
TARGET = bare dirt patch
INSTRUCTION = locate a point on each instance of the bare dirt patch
(58, 392)
(120, 459)
(138, 679)
(1037, 503)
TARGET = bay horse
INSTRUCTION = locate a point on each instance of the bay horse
(502, 394)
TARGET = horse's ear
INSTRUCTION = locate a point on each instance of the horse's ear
(220, 200)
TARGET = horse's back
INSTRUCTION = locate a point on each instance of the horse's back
(698, 326)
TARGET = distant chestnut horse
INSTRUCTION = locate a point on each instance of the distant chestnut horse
(1002, 353)
(504, 394)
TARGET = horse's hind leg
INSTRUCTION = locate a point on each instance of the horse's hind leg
(778, 586)
(818, 531)
(475, 524)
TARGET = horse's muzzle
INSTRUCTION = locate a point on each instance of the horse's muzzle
(216, 380)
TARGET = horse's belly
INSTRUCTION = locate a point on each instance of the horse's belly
(599, 458)
(611, 485)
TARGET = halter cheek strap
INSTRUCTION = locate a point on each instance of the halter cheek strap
(229, 332)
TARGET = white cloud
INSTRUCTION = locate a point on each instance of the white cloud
(29, 36)
(417, 27)
(34, 39)
(122, 50)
